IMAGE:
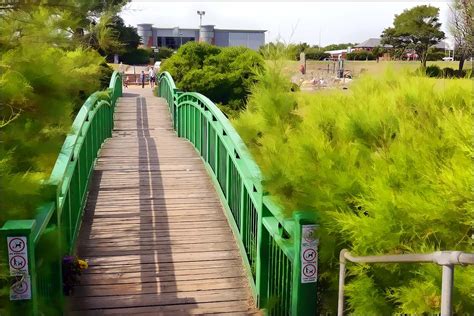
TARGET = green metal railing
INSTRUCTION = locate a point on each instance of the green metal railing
(274, 250)
(52, 233)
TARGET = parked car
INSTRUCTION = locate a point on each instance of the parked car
(448, 58)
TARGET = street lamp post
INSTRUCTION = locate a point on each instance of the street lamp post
(200, 13)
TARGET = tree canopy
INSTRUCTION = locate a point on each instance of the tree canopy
(417, 29)
(386, 168)
(46, 70)
(224, 75)
(462, 29)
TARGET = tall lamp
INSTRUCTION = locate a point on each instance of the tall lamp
(201, 13)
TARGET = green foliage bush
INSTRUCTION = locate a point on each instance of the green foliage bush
(139, 56)
(163, 53)
(447, 72)
(435, 55)
(45, 88)
(224, 75)
(386, 167)
(316, 54)
(361, 55)
(434, 71)
(45, 74)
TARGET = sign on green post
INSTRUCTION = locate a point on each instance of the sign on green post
(306, 265)
(16, 237)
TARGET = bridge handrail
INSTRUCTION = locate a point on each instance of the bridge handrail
(56, 224)
(270, 242)
(253, 171)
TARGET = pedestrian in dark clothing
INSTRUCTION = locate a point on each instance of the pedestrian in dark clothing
(142, 78)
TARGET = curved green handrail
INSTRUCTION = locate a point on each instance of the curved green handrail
(270, 243)
(250, 168)
(56, 225)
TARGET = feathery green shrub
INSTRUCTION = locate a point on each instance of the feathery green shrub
(387, 167)
(224, 75)
(361, 55)
(45, 75)
(434, 71)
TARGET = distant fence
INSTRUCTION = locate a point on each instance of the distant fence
(35, 247)
(280, 253)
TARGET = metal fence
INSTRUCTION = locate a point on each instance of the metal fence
(280, 254)
(446, 259)
(52, 233)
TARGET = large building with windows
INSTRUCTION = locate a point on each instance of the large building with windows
(175, 37)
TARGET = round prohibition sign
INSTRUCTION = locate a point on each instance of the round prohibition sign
(309, 235)
(20, 288)
(309, 270)
(309, 255)
(17, 262)
(16, 245)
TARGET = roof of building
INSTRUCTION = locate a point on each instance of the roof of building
(216, 29)
(441, 45)
(248, 31)
(372, 43)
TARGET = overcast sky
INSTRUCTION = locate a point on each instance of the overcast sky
(313, 22)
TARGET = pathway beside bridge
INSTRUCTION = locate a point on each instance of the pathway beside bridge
(154, 231)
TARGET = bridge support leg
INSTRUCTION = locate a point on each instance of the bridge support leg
(305, 269)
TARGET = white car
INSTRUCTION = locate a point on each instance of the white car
(448, 58)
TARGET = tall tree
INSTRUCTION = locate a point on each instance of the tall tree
(462, 29)
(415, 29)
(45, 71)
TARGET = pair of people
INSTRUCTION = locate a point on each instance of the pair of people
(151, 75)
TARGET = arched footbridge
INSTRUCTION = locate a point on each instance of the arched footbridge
(162, 199)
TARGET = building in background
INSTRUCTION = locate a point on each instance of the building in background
(175, 37)
(370, 44)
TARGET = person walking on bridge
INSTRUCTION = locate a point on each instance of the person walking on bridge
(142, 78)
(151, 74)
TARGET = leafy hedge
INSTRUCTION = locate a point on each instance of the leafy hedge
(361, 55)
(447, 72)
(45, 89)
(387, 167)
(316, 54)
(225, 75)
(139, 56)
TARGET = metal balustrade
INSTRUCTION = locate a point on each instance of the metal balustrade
(271, 245)
(52, 233)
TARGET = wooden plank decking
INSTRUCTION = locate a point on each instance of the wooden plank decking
(154, 231)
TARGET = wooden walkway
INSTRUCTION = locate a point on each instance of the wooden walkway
(154, 231)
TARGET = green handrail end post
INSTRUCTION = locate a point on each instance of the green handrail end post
(22, 228)
(304, 300)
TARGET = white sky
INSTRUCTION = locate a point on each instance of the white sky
(294, 22)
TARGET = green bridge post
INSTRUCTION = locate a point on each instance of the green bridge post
(304, 294)
(26, 281)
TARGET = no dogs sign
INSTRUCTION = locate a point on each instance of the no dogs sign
(309, 255)
(18, 263)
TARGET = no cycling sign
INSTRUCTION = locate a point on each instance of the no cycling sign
(18, 263)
